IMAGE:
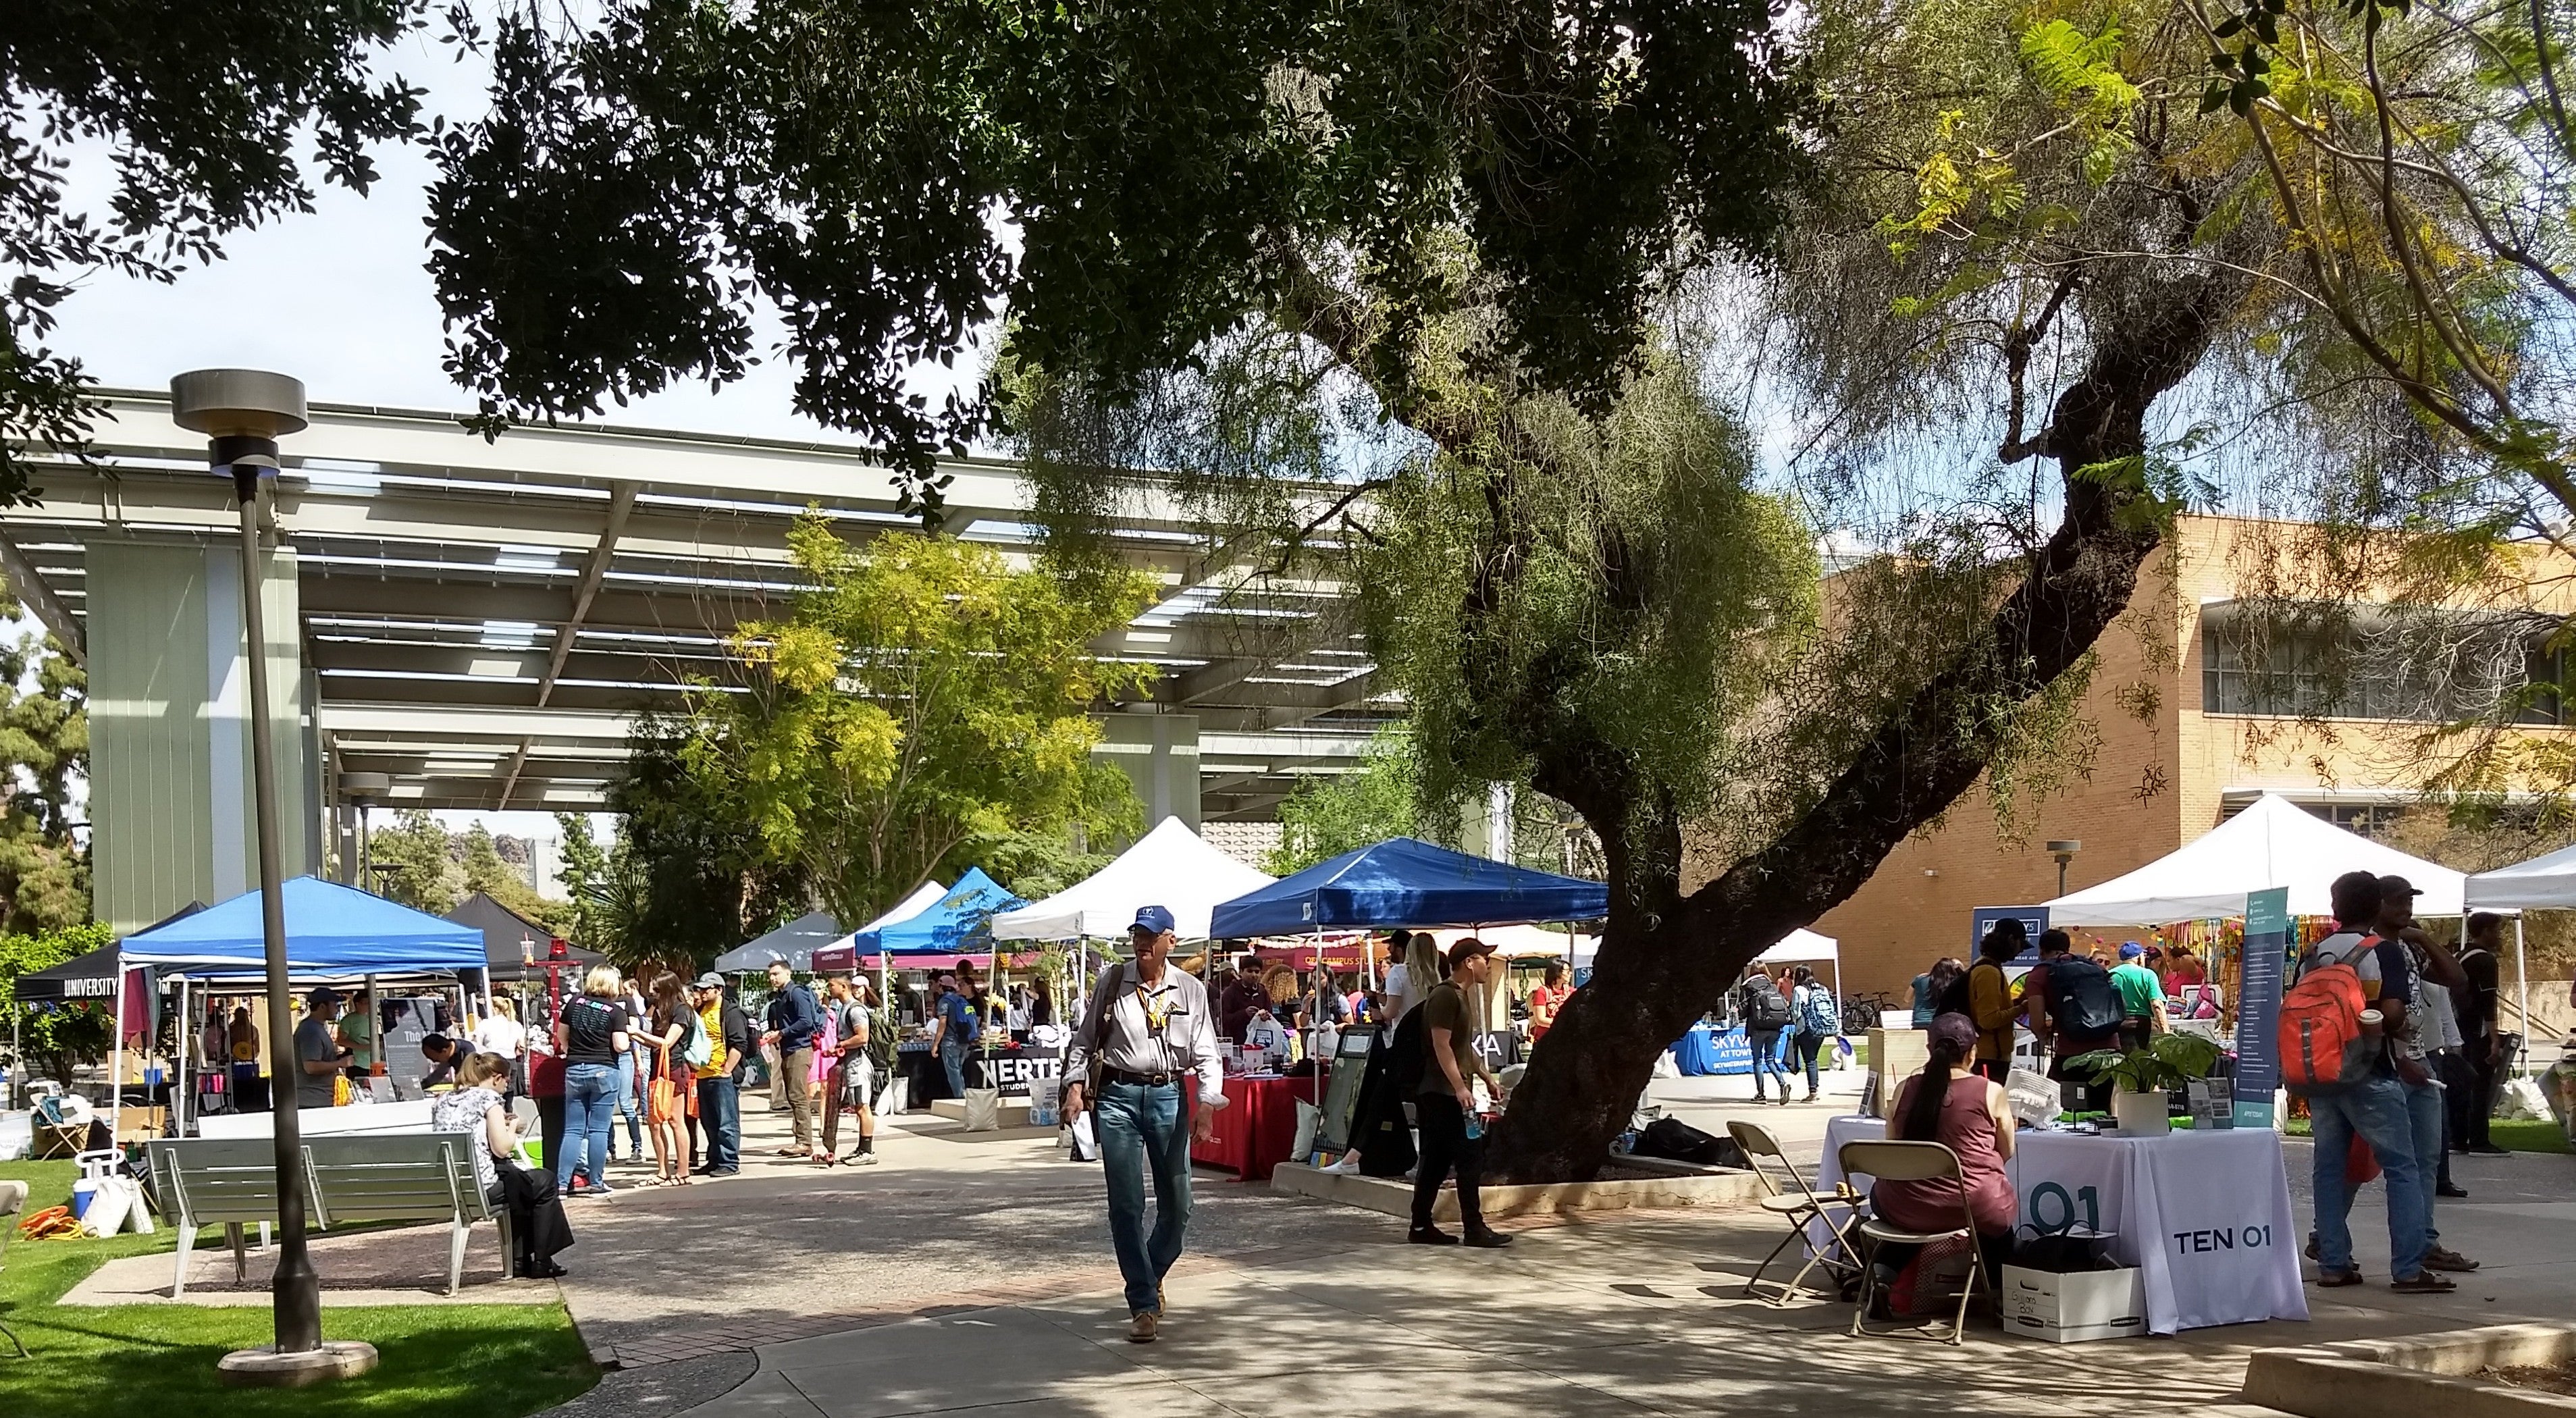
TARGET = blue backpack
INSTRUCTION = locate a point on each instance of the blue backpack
(1816, 1013)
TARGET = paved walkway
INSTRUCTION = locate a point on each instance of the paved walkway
(971, 1276)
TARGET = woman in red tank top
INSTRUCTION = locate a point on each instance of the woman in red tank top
(1970, 1115)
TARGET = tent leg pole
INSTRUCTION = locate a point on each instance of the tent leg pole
(116, 1061)
(2522, 997)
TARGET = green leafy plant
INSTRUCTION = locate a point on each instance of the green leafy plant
(2168, 1060)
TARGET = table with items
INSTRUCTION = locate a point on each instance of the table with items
(1257, 1128)
(1707, 1049)
(2204, 1215)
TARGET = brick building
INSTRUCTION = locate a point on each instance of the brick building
(2187, 736)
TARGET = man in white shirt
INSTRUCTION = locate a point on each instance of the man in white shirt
(1148, 1026)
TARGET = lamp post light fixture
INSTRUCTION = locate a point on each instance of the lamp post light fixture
(2065, 852)
(243, 412)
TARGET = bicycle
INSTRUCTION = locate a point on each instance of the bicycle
(1861, 1011)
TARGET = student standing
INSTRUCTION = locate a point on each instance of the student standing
(1148, 1025)
(590, 1034)
(795, 1020)
(2481, 1041)
(2142, 997)
(853, 1074)
(1445, 1106)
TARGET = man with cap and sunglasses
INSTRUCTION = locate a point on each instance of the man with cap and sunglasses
(720, 1078)
(1147, 1027)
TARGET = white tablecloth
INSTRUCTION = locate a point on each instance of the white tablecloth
(2206, 1215)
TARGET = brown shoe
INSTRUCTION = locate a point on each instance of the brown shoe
(2423, 1282)
(2444, 1258)
(1141, 1326)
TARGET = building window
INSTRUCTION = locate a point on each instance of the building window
(2414, 669)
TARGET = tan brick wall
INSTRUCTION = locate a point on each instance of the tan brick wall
(2155, 782)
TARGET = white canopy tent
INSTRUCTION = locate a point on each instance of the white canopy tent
(1171, 867)
(2273, 843)
(1798, 946)
(2545, 883)
(1524, 942)
(920, 900)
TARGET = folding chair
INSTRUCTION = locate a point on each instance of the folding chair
(13, 1199)
(1913, 1162)
(1804, 1210)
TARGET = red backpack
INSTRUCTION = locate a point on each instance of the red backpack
(2321, 1046)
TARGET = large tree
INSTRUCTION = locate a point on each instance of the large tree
(44, 749)
(215, 115)
(1465, 218)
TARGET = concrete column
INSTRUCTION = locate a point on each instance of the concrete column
(1160, 755)
(1485, 824)
(169, 783)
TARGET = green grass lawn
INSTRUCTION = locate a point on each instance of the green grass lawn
(2528, 1136)
(456, 1361)
(2525, 1136)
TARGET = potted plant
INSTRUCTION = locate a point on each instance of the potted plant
(2144, 1076)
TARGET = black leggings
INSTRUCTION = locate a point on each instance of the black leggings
(1445, 1145)
(1993, 1249)
(536, 1212)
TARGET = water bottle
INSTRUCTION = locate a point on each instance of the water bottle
(1475, 1126)
(1628, 1141)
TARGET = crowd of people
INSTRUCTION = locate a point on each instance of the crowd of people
(2433, 1049)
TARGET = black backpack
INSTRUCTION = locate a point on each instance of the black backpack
(1764, 1009)
(1677, 1141)
(2086, 1003)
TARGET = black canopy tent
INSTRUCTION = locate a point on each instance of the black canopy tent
(514, 947)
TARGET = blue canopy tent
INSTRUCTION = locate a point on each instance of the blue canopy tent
(332, 931)
(961, 921)
(1407, 882)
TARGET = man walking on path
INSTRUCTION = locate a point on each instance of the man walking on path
(720, 1082)
(1148, 1025)
(794, 1021)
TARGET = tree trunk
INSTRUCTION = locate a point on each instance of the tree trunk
(1666, 959)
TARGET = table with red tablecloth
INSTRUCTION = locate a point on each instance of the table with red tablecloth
(1257, 1128)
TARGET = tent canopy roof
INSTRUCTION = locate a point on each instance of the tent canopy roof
(958, 922)
(843, 954)
(1803, 944)
(793, 942)
(2273, 843)
(2544, 882)
(504, 932)
(1171, 867)
(329, 927)
(1409, 882)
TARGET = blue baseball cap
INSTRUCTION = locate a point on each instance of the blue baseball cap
(2131, 950)
(1152, 918)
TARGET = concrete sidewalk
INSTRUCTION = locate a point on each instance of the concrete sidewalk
(1291, 1307)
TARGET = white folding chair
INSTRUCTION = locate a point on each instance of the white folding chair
(1804, 1210)
(1913, 1162)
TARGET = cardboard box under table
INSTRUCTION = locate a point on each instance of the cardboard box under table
(2077, 1305)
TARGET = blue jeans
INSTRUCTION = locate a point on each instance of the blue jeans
(1766, 1060)
(630, 1107)
(1141, 1127)
(2379, 1113)
(590, 1106)
(2424, 1112)
(720, 1114)
(952, 1061)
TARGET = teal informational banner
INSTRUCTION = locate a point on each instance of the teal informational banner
(2258, 1005)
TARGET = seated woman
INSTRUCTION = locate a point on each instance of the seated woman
(536, 1212)
(1951, 1104)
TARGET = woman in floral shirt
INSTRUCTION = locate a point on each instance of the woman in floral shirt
(536, 1212)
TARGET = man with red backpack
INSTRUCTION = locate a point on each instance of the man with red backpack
(2340, 1063)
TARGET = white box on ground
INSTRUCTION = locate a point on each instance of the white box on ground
(2084, 1304)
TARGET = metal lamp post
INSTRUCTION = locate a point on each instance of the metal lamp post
(243, 412)
(2064, 852)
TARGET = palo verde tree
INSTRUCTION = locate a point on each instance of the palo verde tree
(922, 702)
(1465, 218)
